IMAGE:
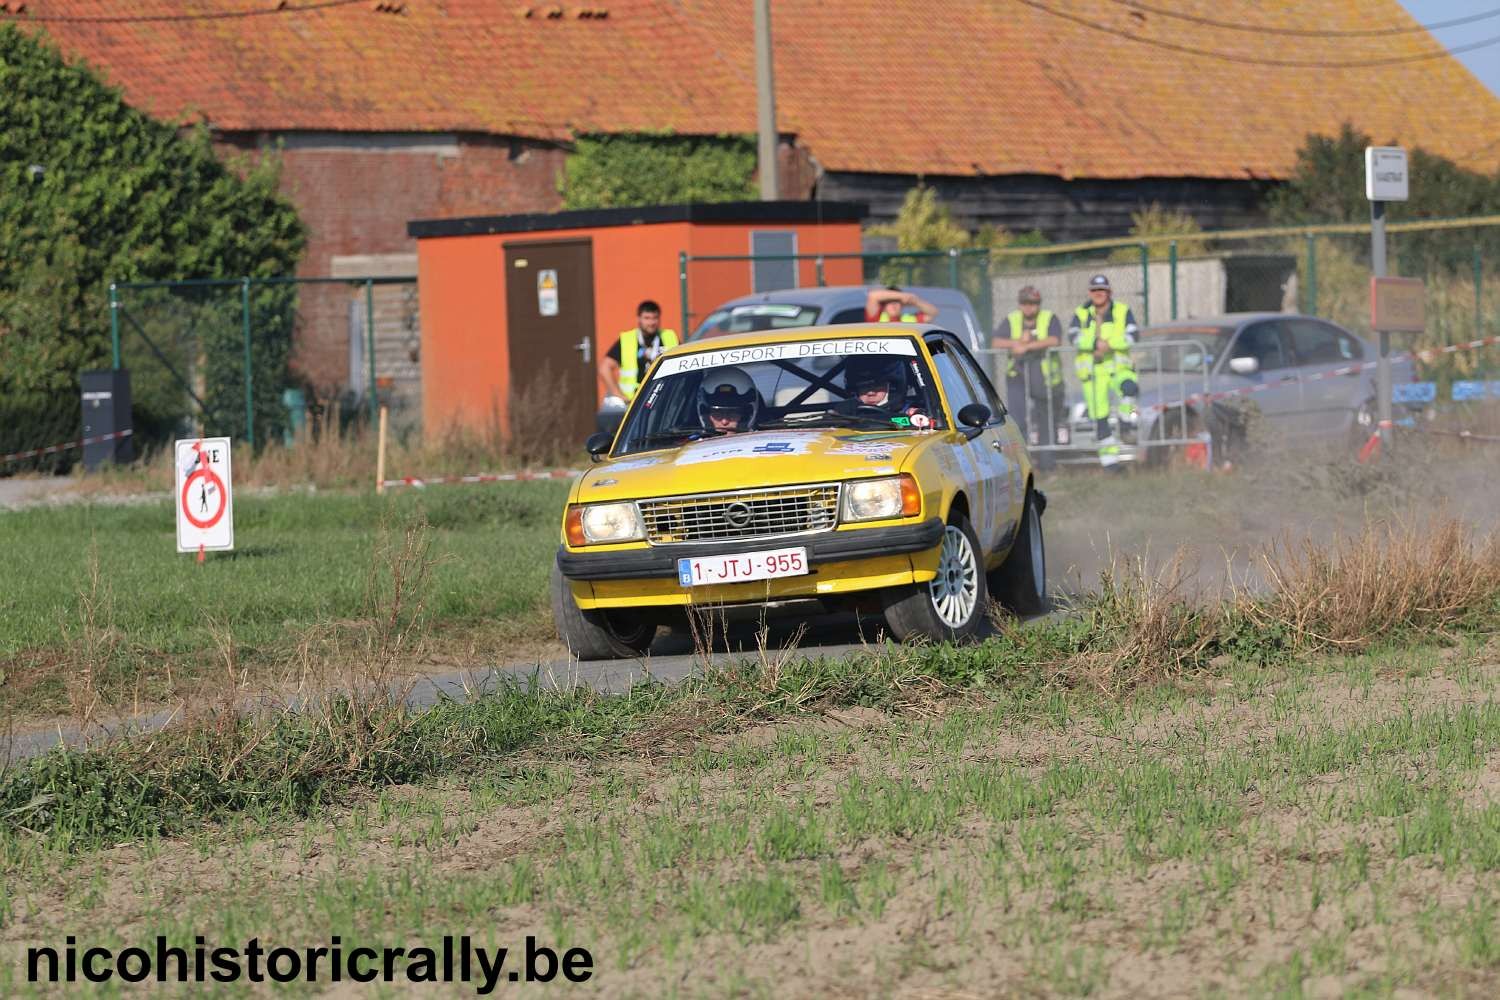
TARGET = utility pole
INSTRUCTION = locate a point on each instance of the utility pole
(765, 102)
(1383, 360)
(1386, 179)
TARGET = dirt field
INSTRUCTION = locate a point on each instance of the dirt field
(1263, 822)
(1328, 829)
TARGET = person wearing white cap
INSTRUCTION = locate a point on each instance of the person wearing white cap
(1103, 330)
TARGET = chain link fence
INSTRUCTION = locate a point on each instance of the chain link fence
(221, 356)
(1315, 270)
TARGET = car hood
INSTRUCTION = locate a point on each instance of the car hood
(750, 461)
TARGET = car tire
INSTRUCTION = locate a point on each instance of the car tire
(952, 606)
(594, 635)
(1020, 583)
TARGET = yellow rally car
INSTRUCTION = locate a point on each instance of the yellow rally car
(862, 466)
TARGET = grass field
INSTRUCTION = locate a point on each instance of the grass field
(151, 625)
(1325, 827)
(1289, 792)
(154, 628)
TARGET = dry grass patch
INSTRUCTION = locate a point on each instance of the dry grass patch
(1389, 576)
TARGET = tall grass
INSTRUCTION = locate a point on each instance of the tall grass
(327, 457)
(1390, 577)
(1394, 580)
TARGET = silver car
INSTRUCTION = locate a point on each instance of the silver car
(1299, 376)
(832, 304)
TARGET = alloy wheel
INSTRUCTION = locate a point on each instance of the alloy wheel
(955, 591)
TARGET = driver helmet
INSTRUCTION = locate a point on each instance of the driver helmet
(864, 374)
(728, 392)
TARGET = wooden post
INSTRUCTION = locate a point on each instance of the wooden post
(380, 455)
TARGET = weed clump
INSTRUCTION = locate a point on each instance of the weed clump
(1390, 578)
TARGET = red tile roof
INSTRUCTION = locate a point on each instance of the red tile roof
(959, 87)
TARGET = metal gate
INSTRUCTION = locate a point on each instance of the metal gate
(1168, 413)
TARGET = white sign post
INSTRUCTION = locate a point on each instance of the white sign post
(1386, 179)
(205, 507)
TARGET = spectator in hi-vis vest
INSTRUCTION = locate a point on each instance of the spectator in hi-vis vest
(1033, 376)
(891, 305)
(622, 367)
(1103, 331)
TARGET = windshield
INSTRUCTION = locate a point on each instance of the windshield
(756, 316)
(1181, 348)
(873, 383)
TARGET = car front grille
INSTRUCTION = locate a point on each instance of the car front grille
(787, 510)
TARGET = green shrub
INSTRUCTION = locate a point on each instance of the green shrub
(618, 171)
(94, 191)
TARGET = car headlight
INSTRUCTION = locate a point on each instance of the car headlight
(593, 524)
(880, 499)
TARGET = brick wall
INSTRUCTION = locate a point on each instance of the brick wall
(356, 192)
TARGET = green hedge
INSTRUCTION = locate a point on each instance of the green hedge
(94, 191)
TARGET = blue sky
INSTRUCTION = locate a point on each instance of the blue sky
(1483, 63)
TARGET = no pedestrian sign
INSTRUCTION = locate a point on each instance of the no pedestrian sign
(205, 509)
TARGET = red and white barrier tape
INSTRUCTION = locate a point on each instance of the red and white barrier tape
(1424, 355)
(506, 477)
(54, 449)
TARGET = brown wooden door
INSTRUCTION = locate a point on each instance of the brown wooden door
(549, 315)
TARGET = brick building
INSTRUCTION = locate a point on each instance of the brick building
(1026, 115)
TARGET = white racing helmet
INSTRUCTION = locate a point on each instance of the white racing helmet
(726, 392)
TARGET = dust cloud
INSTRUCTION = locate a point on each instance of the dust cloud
(1222, 521)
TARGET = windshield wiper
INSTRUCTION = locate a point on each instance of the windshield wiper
(680, 433)
(831, 420)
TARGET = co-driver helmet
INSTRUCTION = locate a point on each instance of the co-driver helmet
(865, 373)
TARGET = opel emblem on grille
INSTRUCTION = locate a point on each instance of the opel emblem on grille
(738, 514)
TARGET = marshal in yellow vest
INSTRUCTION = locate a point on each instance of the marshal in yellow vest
(630, 362)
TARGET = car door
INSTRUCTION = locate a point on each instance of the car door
(987, 459)
(1273, 389)
(1333, 386)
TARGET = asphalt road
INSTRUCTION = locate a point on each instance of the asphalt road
(671, 659)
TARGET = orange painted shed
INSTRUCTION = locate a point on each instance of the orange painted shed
(516, 309)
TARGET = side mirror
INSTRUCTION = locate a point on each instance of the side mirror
(974, 417)
(1244, 366)
(598, 444)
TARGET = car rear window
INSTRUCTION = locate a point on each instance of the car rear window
(756, 316)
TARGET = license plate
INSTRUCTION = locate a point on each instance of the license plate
(707, 570)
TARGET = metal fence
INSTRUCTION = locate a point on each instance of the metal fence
(252, 357)
(1171, 376)
(1317, 270)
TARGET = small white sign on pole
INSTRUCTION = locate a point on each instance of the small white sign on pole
(205, 508)
(1386, 176)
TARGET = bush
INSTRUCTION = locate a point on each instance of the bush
(1157, 227)
(617, 171)
(93, 191)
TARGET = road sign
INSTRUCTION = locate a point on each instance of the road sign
(205, 508)
(1397, 305)
(1386, 177)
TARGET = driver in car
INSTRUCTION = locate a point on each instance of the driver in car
(877, 387)
(727, 402)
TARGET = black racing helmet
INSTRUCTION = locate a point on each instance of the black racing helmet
(864, 373)
(725, 392)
